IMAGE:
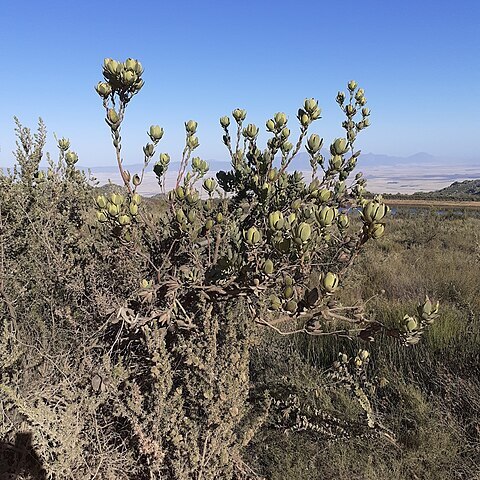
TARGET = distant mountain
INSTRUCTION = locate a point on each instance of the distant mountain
(422, 157)
(302, 162)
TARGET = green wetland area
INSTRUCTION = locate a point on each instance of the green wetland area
(244, 326)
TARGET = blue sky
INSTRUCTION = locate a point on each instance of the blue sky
(418, 61)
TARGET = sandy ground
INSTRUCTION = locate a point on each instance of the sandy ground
(407, 179)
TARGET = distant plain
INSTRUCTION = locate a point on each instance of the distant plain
(392, 178)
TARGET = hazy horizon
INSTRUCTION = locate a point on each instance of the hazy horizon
(420, 172)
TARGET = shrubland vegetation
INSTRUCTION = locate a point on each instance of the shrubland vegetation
(467, 190)
(252, 332)
(427, 396)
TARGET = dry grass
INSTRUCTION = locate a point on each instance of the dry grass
(431, 402)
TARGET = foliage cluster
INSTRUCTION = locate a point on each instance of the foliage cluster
(127, 335)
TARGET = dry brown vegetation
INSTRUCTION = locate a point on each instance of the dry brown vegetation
(426, 399)
(134, 341)
(430, 398)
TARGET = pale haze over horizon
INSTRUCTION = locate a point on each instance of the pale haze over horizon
(417, 61)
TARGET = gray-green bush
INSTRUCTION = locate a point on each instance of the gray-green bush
(127, 334)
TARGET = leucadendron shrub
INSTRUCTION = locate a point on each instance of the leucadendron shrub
(258, 245)
(126, 331)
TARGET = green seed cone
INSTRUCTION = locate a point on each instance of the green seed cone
(191, 126)
(209, 185)
(329, 282)
(180, 193)
(103, 89)
(209, 224)
(352, 85)
(64, 144)
(124, 219)
(239, 115)
(325, 216)
(291, 306)
(250, 131)
(133, 209)
(377, 230)
(71, 158)
(268, 267)
(275, 220)
(325, 195)
(192, 215)
(343, 221)
(112, 209)
(155, 133)
(148, 149)
(288, 292)
(304, 231)
(310, 105)
(275, 303)
(280, 119)
(180, 216)
(252, 236)
(314, 143)
(117, 199)
(101, 201)
(339, 146)
(192, 142)
(101, 217)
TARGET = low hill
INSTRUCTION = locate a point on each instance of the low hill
(466, 190)
(109, 188)
(460, 189)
